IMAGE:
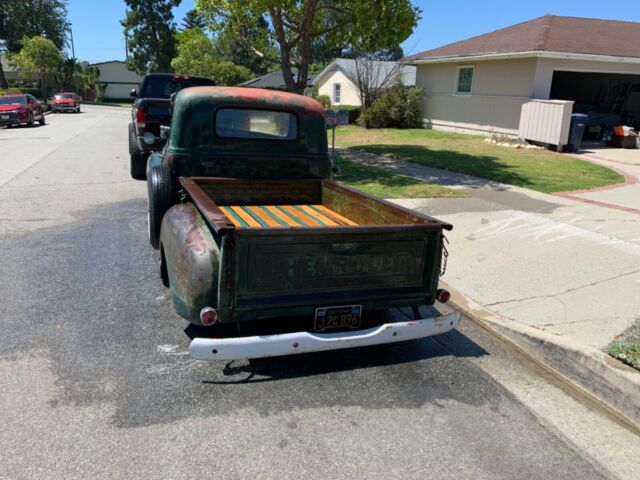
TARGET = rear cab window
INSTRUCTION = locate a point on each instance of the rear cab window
(256, 124)
(163, 86)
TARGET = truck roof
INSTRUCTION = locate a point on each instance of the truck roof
(244, 96)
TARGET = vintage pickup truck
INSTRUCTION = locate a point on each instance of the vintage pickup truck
(254, 233)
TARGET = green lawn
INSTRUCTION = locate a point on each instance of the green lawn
(382, 183)
(540, 170)
(627, 347)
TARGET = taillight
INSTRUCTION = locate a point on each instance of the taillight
(141, 116)
(208, 316)
(443, 296)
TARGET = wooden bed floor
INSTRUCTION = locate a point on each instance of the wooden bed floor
(284, 216)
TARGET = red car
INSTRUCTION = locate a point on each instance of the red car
(20, 109)
(66, 102)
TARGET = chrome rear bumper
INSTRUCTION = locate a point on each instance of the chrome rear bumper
(304, 342)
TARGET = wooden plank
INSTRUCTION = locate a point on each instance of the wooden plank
(336, 216)
(298, 214)
(326, 220)
(237, 221)
(247, 209)
(264, 216)
(245, 216)
(289, 221)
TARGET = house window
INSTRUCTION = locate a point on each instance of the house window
(464, 80)
(336, 93)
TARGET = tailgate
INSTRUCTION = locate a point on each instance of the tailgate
(378, 268)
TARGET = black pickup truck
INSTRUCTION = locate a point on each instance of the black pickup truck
(150, 111)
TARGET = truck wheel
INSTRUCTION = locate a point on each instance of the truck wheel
(160, 199)
(139, 166)
(133, 146)
(138, 159)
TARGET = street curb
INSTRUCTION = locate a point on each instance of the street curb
(610, 383)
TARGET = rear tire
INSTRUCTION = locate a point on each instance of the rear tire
(139, 166)
(138, 159)
(160, 200)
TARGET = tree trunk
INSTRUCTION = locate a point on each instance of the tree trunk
(285, 49)
(3, 79)
(305, 29)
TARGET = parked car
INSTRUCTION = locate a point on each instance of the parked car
(255, 236)
(65, 102)
(20, 109)
(150, 111)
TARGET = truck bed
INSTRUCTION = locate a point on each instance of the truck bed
(286, 247)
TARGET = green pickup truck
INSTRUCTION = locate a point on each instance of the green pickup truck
(260, 246)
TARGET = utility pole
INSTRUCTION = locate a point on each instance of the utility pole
(73, 48)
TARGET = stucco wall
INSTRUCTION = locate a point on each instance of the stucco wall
(500, 87)
(349, 93)
(119, 80)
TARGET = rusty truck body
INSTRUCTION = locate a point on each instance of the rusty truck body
(252, 230)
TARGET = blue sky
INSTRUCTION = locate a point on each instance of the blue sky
(98, 35)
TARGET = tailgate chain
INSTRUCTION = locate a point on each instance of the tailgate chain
(444, 256)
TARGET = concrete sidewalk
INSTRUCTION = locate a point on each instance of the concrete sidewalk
(563, 267)
(556, 264)
(626, 162)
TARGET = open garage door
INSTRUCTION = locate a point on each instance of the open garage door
(609, 99)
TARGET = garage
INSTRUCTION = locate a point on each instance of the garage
(609, 99)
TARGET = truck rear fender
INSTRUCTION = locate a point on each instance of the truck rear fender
(192, 260)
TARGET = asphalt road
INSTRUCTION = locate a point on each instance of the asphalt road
(95, 381)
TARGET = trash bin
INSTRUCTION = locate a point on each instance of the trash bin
(576, 132)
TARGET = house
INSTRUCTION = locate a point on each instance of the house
(480, 84)
(339, 82)
(118, 80)
(13, 75)
(273, 81)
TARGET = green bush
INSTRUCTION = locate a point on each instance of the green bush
(324, 100)
(354, 114)
(398, 107)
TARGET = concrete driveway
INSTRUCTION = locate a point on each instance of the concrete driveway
(625, 196)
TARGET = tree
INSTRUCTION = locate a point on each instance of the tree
(373, 77)
(228, 73)
(240, 45)
(65, 72)
(364, 25)
(30, 18)
(197, 55)
(192, 20)
(150, 32)
(39, 55)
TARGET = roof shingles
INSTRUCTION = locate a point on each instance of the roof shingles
(549, 34)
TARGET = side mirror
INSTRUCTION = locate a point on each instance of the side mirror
(164, 132)
(133, 93)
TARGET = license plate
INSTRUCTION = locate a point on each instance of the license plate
(337, 318)
(5, 117)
